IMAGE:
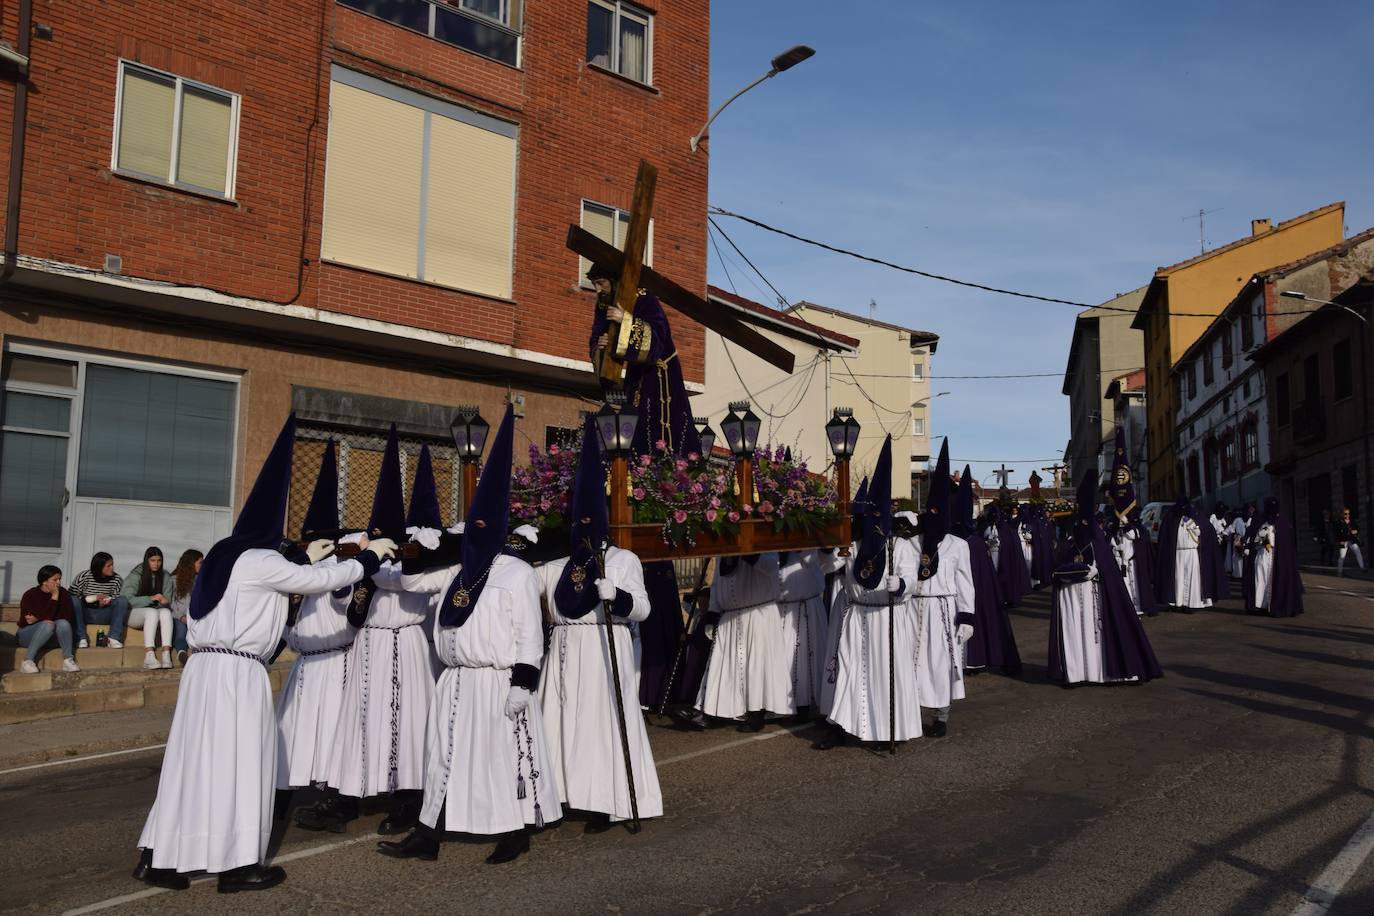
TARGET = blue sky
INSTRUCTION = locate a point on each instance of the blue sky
(1049, 147)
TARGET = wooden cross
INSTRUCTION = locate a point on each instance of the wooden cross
(633, 275)
(1004, 473)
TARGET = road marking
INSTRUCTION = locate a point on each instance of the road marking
(68, 760)
(1341, 591)
(330, 847)
(1330, 882)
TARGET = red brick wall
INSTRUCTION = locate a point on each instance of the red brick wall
(75, 210)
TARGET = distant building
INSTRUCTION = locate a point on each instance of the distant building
(1222, 428)
(1104, 346)
(1183, 299)
(888, 384)
(793, 407)
(1317, 378)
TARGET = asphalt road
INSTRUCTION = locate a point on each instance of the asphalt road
(1227, 787)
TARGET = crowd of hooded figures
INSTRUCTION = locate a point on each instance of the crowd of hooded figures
(480, 686)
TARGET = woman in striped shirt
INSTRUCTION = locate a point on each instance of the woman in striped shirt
(96, 598)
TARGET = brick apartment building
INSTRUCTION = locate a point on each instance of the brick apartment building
(351, 208)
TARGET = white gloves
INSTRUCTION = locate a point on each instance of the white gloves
(384, 548)
(318, 550)
(517, 701)
(964, 633)
(605, 589)
(894, 584)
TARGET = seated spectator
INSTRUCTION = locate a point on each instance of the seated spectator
(147, 586)
(96, 598)
(45, 611)
(183, 579)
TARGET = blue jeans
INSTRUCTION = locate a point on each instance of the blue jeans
(36, 636)
(178, 635)
(115, 614)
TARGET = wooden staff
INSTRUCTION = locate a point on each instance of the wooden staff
(619, 698)
(891, 660)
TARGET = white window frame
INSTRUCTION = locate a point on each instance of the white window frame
(919, 371)
(620, 9)
(180, 84)
(616, 241)
(918, 426)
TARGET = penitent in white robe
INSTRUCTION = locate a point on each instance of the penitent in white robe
(936, 602)
(1188, 567)
(381, 734)
(993, 540)
(1123, 552)
(1078, 612)
(580, 719)
(801, 604)
(1235, 555)
(1027, 549)
(475, 757)
(1264, 567)
(310, 703)
(855, 694)
(213, 810)
(749, 668)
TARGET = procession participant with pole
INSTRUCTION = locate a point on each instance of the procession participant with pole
(589, 691)
(488, 768)
(867, 693)
(1129, 540)
(1186, 567)
(1274, 585)
(1095, 636)
(382, 726)
(320, 635)
(213, 810)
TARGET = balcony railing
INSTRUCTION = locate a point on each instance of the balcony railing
(448, 23)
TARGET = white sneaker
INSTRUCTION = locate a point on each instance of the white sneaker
(27, 667)
(69, 664)
(166, 660)
(84, 644)
(150, 660)
(115, 644)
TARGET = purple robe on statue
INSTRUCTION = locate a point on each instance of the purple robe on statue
(652, 371)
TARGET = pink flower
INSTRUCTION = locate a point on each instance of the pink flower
(681, 465)
(693, 456)
(715, 502)
(661, 445)
(733, 516)
(553, 449)
(696, 489)
(746, 509)
(638, 493)
(544, 504)
(680, 517)
(645, 460)
(711, 515)
(766, 507)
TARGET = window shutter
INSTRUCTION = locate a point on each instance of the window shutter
(372, 182)
(145, 124)
(470, 210)
(206, 125)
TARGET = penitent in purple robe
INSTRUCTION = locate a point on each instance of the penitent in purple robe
(1012, 573)
(993, 643)
(654, 388)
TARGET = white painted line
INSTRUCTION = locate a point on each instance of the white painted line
(68, 760)
(154, 891)
(1330, 882)
(330, 847)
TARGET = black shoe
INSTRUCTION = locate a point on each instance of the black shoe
(689, 720)
(510, 847)
(327, 814)
(419, 845)
(598, 823)
(255, 877)
(938, 729)
(753, 722)
(833, 737)
(402, 817)
(168, 878)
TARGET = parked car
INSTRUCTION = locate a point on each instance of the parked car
(1150, 517)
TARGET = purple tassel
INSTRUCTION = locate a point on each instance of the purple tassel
(520, 787)
(538, 817)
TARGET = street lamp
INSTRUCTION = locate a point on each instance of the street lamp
(1294, 294)
(919, 401)
(784, 61)
(469, 439)
(706, 435)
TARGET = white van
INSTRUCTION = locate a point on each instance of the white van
(1151, 516)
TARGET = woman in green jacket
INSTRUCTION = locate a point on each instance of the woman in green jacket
(148, 589)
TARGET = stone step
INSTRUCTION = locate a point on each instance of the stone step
(130, 657)
(9, 633)
(9, 613)
(152, 688)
